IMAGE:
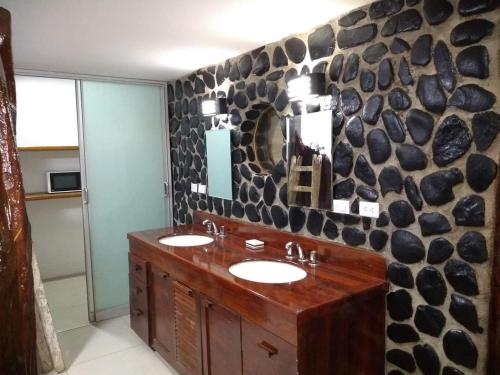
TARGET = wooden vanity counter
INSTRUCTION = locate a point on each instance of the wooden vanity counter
(330, 322)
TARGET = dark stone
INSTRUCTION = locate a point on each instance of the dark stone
(254, 194)
(238, 156)
(437, 11)
(343, 159)
(178, 90)
(235, 117)
(383, 220)
(401, 359)
(421, 50)
(462, 277)
(364, 171)
(246, 139)
(463, 311)
(238, 210)
(258, 181)
(199, 86)
(269, 191)
(353, 236)
(485, 127)
(354, 132)
(245, 172)
(427, 359)
(440, 249)
(279, 57)
(321, 42)
(208, 79)
(412, 193)
(469, 211)
(472, 98)
(404, 72)
(283, 194)
(420, 125)
(344, 219)
(281, 101)
(337, 123)
(385, 74)
(431, 94)
(279, 216)
(348, 38)
(429, 320)
(411, 158)
(330, 230)
(336, 67)
(351, 68)
(272, 91)
(262, 88)
(367, 80)
(352, 18)
(240, 99)
(372, 109)
(261, 65)
(266, 216)
(385, 8)
(400, 275)
(244, 192)
(344, 189)
(406, 247)
(399, 305)
(255, 52)
(367, 222)
(320, 67)
(394, 126)
(314, 222)
(474, 62)
(459, 348)
(431, 286)
(274, 76)
(297, 218)
(401, 214)
(437, 187)
(367, 193)
(447, 370)
(252, 213)
(234, 73)
(433, 223)
(399, 99)
(469, 7)
(470, 32)
(355, 206)
(374, 53)
(350, 101)
(246, 126)
(402, 333)
(295, 49)
(188, 89)
(399, 45)
(245, 65)
(444, 66)
(279, 171)
(378, 239)
(481, 171)
(219, 75)
(409, 20)
(390, 180)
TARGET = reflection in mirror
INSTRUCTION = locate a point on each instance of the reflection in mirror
(268, 140)
(309, 155)
(219, 163)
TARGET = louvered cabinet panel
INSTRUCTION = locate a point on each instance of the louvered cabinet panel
(187, 330)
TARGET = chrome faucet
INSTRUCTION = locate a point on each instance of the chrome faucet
(289, 251)
(211, 227)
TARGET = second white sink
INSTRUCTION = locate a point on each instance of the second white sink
(267, 271)
(186, 240)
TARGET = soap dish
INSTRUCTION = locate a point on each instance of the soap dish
(254, 244)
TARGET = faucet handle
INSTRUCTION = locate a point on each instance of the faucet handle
(208, 224)
(289, 250)
(313, 258)
(221, 231)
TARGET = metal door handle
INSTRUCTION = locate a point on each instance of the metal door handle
(165, 188)
(85, 195)
(271, 350)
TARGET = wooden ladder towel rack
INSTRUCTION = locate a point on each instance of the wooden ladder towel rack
(296, 169)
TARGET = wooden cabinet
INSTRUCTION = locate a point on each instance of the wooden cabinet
(139, 309)
(221, 332)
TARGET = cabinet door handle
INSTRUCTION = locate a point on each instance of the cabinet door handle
(137, 312)
(137, 268)
(138, 290)
(165, 275)
(271, 350)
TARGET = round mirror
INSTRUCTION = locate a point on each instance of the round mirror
(268, 139)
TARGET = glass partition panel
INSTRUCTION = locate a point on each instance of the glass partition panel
(219, 163)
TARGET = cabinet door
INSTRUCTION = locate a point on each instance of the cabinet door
(221, 333)
(139, 308)
(187, 329)
(266, 353)
(162, 313)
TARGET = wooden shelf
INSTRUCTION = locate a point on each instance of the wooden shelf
(48, 148)
(45, 196)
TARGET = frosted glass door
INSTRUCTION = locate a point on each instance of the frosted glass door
(124, 172)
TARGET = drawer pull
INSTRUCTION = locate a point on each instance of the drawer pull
(137, 268)
(137, 290)
(165, 276)
(137, 312)
(271, 350)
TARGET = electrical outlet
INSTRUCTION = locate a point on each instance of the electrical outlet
(369, 209)
(341, 206)
(202, 189)
(194, 188)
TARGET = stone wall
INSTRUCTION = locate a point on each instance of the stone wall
(414, 86)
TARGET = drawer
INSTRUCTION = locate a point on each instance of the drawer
(137, 267)
(265, 353)
(138, 293)
(139, 321)
(161, 279)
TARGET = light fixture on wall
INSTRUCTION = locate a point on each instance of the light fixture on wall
(306, 87)
(214, 107)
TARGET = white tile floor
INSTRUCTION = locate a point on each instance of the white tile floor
(67, 299)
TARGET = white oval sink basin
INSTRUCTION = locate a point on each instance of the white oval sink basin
(267, 271)
(186, 240)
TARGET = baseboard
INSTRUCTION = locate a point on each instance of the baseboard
(113, 312)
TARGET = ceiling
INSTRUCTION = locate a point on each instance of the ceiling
(153, 39)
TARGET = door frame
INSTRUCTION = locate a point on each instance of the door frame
(167, 175)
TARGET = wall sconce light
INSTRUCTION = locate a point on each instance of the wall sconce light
(214, 107)
(305, 87)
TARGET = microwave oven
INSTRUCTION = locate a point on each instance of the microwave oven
(63, 181)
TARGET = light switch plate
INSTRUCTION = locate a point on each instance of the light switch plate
(341, 206)
(369, 209)
(194, 188)
(202, 189)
